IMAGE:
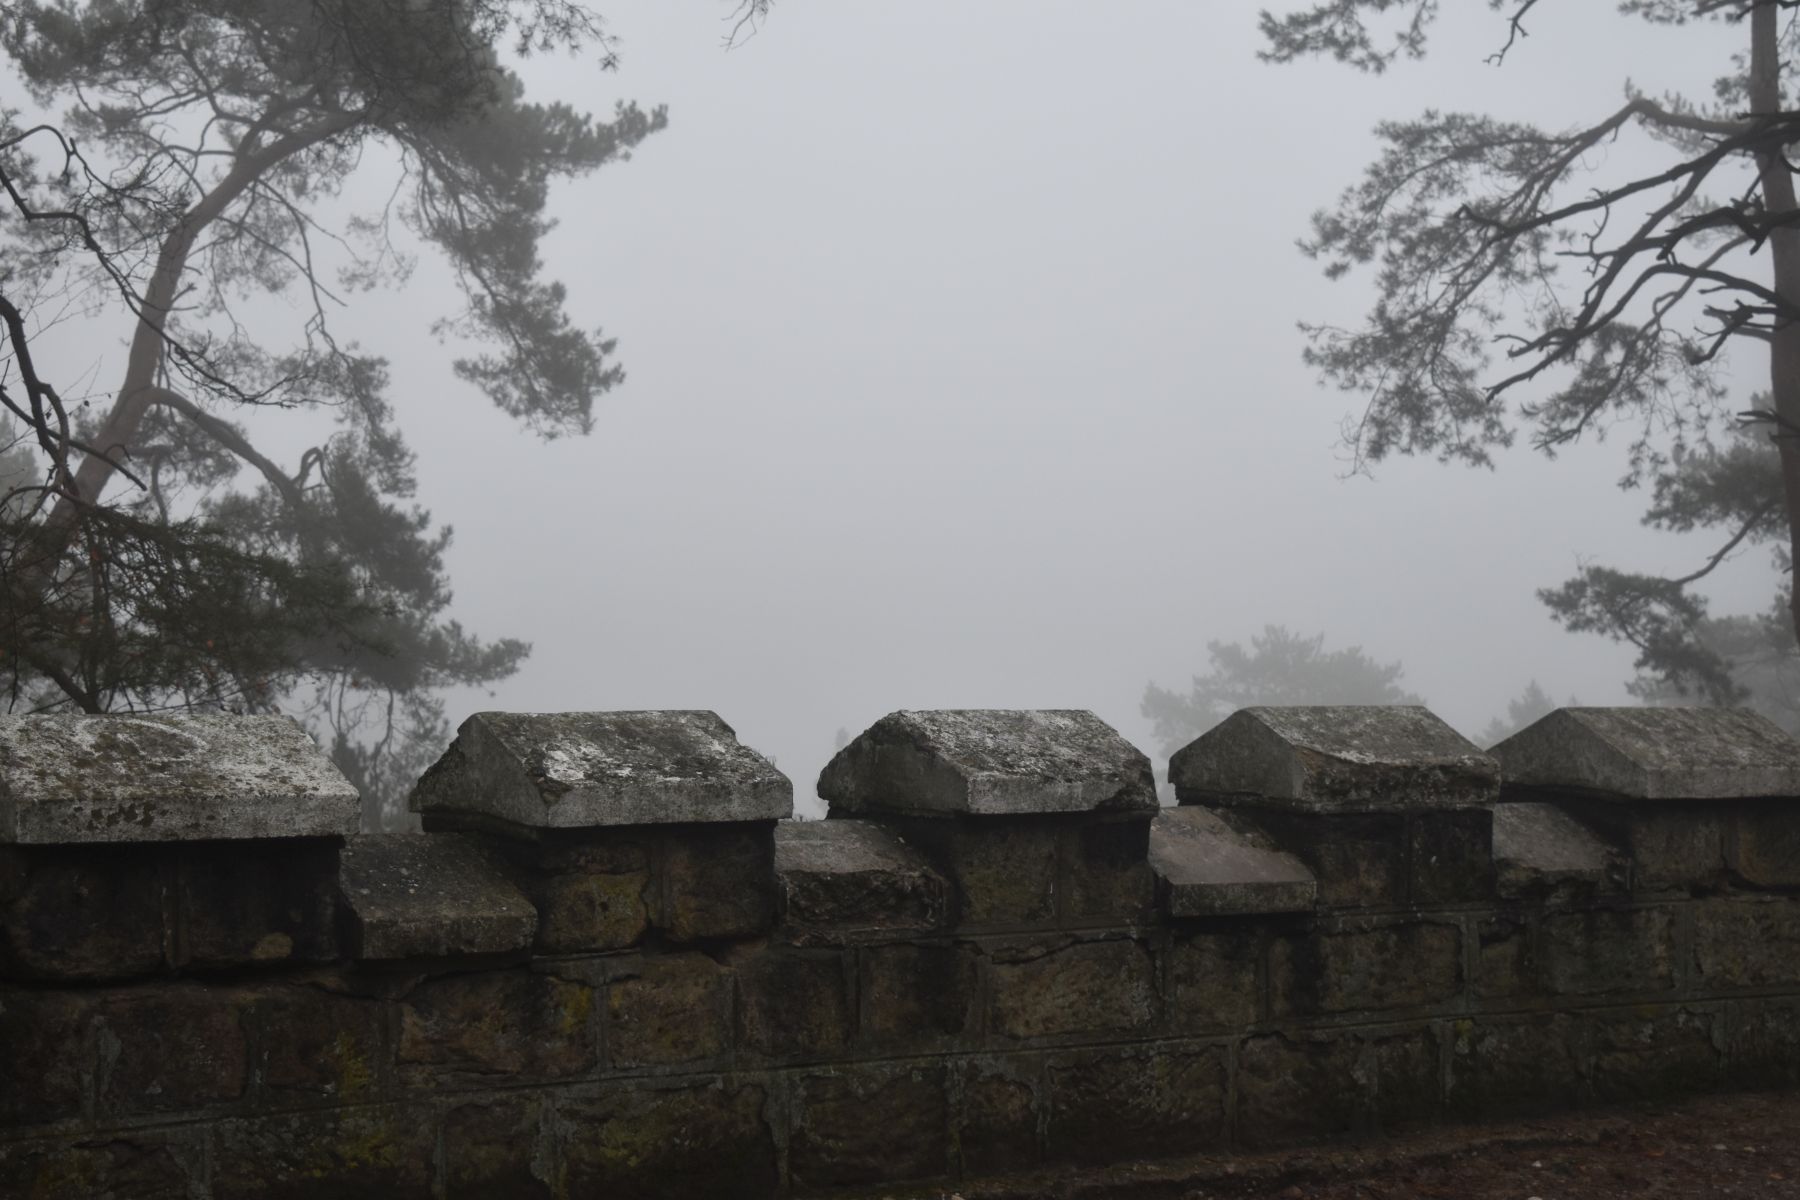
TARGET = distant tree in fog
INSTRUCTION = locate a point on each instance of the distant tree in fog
(1279, 668)
(1526, 282)
(160, 554)
(1534, 702)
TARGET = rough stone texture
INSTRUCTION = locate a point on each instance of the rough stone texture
(166, 1050)
(318, 1044)
(118, 778)
(793, 1004)
(1751, 942)
(923, 996)
(1369, 969)
(998, 1126)
(1209, 863)
(1595, 952)
(718, 882)
(144, 1165)
(1003, 871)
(1450, 857)
(578, 770)
(1336, 759)
(1654, 754)
(1295, 1089)
(1643, 1056)
(1674, 846)
(369, 1153)
(989, 762)
(1115, 1104)
(1764, 848)
(1540, 850)
(835, 1143)
(43, 1042)
(592, 888)
(1762, 1047)
(88, 912)
(1503, 1068)
(844, 879)
(1504, 963)
(1408, 1077)
(414, 895)
(262, 903)
(1105, 877)
(1212, 985)
(1045, 987)
(707, 1142)
(498, 1148)
(667, 1010)
(1360, 861)
(470, 1028)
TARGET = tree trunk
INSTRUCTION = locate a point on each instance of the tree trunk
(1777, 184)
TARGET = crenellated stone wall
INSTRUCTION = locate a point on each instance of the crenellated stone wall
(610, 968)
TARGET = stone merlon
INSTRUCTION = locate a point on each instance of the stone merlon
(1209, 863)
(1336, 758)
(1653, 754)
(989, 762)
(584, 770)
(68, 778)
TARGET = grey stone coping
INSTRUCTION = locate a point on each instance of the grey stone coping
(1337, 758)
(1653, 754)
(847, 875)
(167, 778)
(1538, 847)
(411, 895)
(588, 769)
(989, 761)
(1210, 863)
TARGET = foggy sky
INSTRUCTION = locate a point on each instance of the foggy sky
(963, 372)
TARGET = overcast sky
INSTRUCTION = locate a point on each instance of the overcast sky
(963, 372)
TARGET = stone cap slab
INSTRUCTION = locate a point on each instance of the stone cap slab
(582, 770)
(1209, 863)
(989, 761)
(1336, 758)
(842, 877)
(1538, 847)
(167, 778)
(1653, 754)
(412, 895)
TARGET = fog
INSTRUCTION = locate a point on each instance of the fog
(963, 372)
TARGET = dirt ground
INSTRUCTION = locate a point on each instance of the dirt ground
(1727, 1146)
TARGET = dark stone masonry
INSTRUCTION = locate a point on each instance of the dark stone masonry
(610, 968)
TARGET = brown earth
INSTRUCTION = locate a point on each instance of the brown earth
(1746, 1147)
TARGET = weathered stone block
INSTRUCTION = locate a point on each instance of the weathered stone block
(172, 1049)
(43, 1042)
(1209, 862)
(365, 1153)
(584, 913)
(318, 1044)
(1408, 1077)
(1450, 857)
(690, 1143)
(1356, 968)
(1107, 1106)
(870, 1124)
(847, 879)
(718, 882)
(87, 913)
(1359, 861)
(1335, 759)
(1504, 965)
(1762, 1045)
(667, 1009)
(1514, 1067)
(1747, 942)
(1542, 852)
(256, 902)
(1212, 981)
(1764, 844)
(1049, 986)
(498, 1148)
(1294, 1090)
(467, 1028)
(183, 777)
(792, 1004)
(1106, 875)
(1653, 1056)
(517, 772)
(1675, 846)
(435, 895)
(1608, 950)
(998, 1126)
(142, 1165)
(919, 995)
(989, 762)
(1654, 753)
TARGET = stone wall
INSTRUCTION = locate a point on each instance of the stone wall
(609, 969)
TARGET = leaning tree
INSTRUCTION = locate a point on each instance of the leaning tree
(184, 158)
(1525, 282)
